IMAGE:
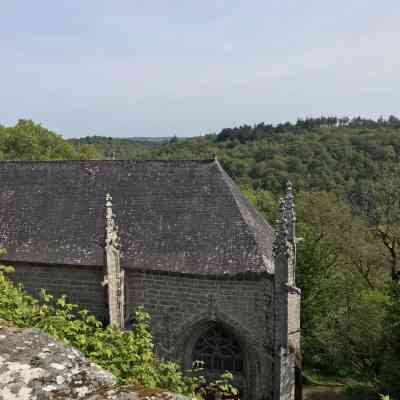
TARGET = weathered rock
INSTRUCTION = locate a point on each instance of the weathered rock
(34, 366)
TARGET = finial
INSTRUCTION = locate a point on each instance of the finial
(289, 203)
(282, 231)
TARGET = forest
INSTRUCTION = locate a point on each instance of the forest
(346, 176)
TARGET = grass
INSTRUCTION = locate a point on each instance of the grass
(315, 377)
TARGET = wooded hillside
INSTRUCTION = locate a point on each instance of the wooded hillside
(347, 180)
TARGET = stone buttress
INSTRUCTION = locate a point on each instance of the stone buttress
(114, 275)
(287, 302)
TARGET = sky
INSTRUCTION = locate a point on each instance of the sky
(161, 68)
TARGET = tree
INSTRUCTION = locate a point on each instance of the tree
(30, 141)
(88, 152)
(343, 303)
(390, 373)
(322, 218)
(381, 205)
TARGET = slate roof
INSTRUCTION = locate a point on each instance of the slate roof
(182, 216)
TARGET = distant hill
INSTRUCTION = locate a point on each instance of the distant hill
(120, 148)
(159, 140)
(151, 141)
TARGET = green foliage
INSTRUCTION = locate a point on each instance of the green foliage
(385, 397)
(127, 354)
(345, 306)
(29, 141)
(118, 148)
(336, 159)
(263, 200)
(323, 228)
(223, 386)
(352, 334)
(390, 372)
(380, 204)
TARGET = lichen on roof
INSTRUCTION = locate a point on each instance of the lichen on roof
(179, 216)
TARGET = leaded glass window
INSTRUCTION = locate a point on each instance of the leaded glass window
(219, 350)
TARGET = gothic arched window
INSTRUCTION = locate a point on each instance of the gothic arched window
(219, 350)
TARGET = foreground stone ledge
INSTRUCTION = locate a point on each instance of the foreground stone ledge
(35, 366)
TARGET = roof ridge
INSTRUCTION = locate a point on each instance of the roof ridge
(235, 193)
(197, 161)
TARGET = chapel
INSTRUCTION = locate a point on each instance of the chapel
(176, 237)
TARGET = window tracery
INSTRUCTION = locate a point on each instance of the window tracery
(219, 350)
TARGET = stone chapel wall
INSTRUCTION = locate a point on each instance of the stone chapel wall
(82, 285)
(178, 302)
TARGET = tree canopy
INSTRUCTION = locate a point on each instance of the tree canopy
(30, 141)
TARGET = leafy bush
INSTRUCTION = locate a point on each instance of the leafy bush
(127, 354)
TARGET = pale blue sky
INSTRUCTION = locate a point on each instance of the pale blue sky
(159, 68)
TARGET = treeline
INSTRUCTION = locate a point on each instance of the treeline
(111, 148)
(248, 133)
(104, 140)
(120, 148)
